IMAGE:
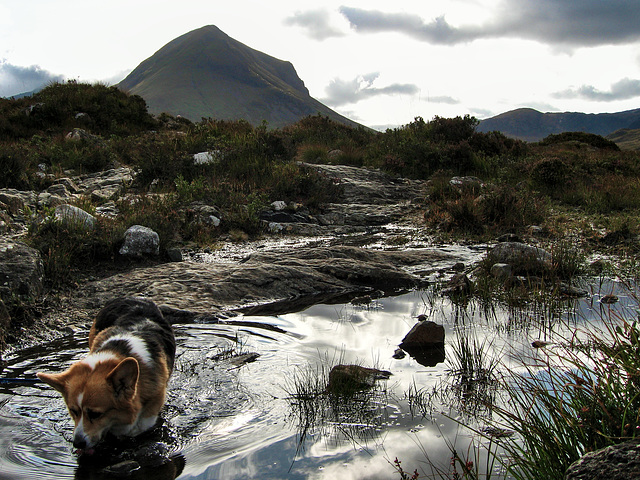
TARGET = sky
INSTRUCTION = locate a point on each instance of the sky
(379, 63)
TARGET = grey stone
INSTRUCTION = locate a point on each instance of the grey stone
(140, 241)
(523, 258)
(616, 462)
(21, 270)
(501, 271)
(70, 215)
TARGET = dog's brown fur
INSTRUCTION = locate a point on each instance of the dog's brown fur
(120, 386)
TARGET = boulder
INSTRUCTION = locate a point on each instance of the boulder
(21, 270)
(616, 462)
(523, 258)
(70, 215)
(140, 241)
(425, 334)
(348, 379)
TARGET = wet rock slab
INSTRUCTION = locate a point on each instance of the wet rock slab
(288, 280)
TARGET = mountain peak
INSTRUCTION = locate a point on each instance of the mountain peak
(206, 73)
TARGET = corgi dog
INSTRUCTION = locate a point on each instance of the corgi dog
(120, 387)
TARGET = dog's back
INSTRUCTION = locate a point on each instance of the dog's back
(134, 318)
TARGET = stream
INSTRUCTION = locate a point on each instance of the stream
(234, 415)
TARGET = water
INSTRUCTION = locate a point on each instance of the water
(234, 420)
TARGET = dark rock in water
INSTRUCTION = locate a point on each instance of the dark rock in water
(425, 342)
(609, 299)
(399, 354)
(424, 334)
(617, 462)
(429, 357)
(348, 379)
(458, 285)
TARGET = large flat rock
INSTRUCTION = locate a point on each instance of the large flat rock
(282, 281)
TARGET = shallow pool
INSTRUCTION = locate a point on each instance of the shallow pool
(231, 415)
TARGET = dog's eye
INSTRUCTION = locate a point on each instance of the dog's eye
(93, 415)
(75, 412)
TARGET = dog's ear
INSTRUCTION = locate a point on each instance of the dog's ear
(124, 378)
(56, 380)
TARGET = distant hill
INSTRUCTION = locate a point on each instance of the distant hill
(206, 73)
(626, 138)
(531, 125)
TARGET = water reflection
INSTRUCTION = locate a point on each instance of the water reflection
(236, 421)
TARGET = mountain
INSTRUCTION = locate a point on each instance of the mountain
(626, 138)
(206, 73)
(531, 125)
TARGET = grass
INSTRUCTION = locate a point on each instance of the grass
(552, 407)
(346, 410)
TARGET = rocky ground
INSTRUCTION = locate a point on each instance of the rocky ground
(370, 243)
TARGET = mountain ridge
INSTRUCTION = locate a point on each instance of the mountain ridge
(205, 73)
(531, 125)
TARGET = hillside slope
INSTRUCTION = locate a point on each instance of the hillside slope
(531, 125)
(206, 73)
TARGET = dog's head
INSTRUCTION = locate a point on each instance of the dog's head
(100, 394)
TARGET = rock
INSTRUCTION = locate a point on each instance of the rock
(21, 270)
(458, 285)
(539, 344)
(279, 205)
(108, 209)
(501, 271)
(616, 462)
(204, 214)
(140, 241)
(468, 182)
(174, 254)
(74, 216)
(207, 158)
(509, 237)
(335, 154)
(16, 200)
(268, 281)
(399, 354)
(281, 216)
(79, 135)
(112, 182)
(348, 379)
(524, 259)
(425, 334)
(571, 291)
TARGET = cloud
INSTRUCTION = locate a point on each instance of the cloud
(316, 22)
(343, 92)
(554, 22)
(15, 79)
(624, 89)
(444, 99)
